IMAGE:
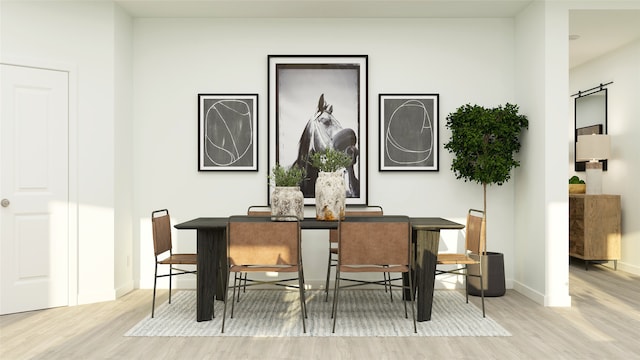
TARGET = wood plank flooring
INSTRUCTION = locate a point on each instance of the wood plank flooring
(603, 323)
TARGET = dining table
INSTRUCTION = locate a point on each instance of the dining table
(211, 253)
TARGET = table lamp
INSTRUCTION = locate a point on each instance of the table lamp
(593, 148)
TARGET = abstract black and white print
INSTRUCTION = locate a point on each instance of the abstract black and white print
(227, 132)
(408, 132)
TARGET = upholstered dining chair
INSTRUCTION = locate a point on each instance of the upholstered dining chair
(163, 252)
(276, 249)
(242, 278)
(372, 210)
(475, 244)
(374, 244)
(259, 210)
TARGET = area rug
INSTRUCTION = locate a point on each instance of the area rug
(276, 313)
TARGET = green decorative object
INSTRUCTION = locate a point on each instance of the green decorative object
(484, 141)
(330, 160)
(282, 176)
(575, 180)
(577, 185)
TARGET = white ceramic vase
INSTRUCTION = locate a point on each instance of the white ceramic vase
(287, 202)
(331, 194)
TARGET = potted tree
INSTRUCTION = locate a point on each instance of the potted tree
(287, 201)
(484, 141)
(331, 192)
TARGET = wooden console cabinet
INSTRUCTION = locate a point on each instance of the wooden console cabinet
(594, 227)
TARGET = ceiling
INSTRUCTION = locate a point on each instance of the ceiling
(600, 31)
(324, 8)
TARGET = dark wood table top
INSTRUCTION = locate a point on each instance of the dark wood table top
(221, 222)
(434, 223)
(417, 223)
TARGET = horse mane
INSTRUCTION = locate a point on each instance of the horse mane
(304, 144)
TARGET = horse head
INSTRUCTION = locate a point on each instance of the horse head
(324, 131)
(324, 127)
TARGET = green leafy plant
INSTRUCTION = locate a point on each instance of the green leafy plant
(330, 160)
(291, 176)
(484, 141)
(575, 180)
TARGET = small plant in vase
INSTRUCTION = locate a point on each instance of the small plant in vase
(287, 201)
(577, 185)
(331, 192)
(330, 160)
(282, 176)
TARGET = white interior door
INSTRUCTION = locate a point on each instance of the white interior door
(34, 191)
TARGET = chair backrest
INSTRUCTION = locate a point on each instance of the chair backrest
(161, 224)
(259, 210)
(383, 240)
(373, 210)
(475, 237)
(278, 242)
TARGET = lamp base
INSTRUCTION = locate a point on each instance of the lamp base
(594, 178)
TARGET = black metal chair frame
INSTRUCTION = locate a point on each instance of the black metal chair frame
(464, 269)
(408, 289)
(166, 261)
(241, 282)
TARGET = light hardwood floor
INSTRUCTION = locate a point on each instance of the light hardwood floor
(603, 323)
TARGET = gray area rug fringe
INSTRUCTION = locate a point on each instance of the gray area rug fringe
(276, 313)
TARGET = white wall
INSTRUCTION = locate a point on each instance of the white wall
(541, 271)
(80, 34)
(464, 60)
(123, 148)
(128, 166)
(623, 68)
(530, 178)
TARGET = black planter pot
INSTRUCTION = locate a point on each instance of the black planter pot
(492, 274)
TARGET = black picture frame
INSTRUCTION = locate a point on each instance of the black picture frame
(306, 88)
(409, 132)
(590, 117)
(227, 132)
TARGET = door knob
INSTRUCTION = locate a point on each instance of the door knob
(5, 202)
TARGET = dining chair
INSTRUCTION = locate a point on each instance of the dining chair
(374, 244)
(276, 249)
(163, 251)
(253, 210)
(372, 210)
(259, 210)
(474, 249)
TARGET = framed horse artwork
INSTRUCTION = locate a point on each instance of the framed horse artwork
(315, 103)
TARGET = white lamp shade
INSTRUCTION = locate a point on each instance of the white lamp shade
(593, 147)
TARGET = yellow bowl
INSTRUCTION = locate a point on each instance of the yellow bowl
(577, 188)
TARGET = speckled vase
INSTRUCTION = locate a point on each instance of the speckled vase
(287, 202)
(331, 194)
